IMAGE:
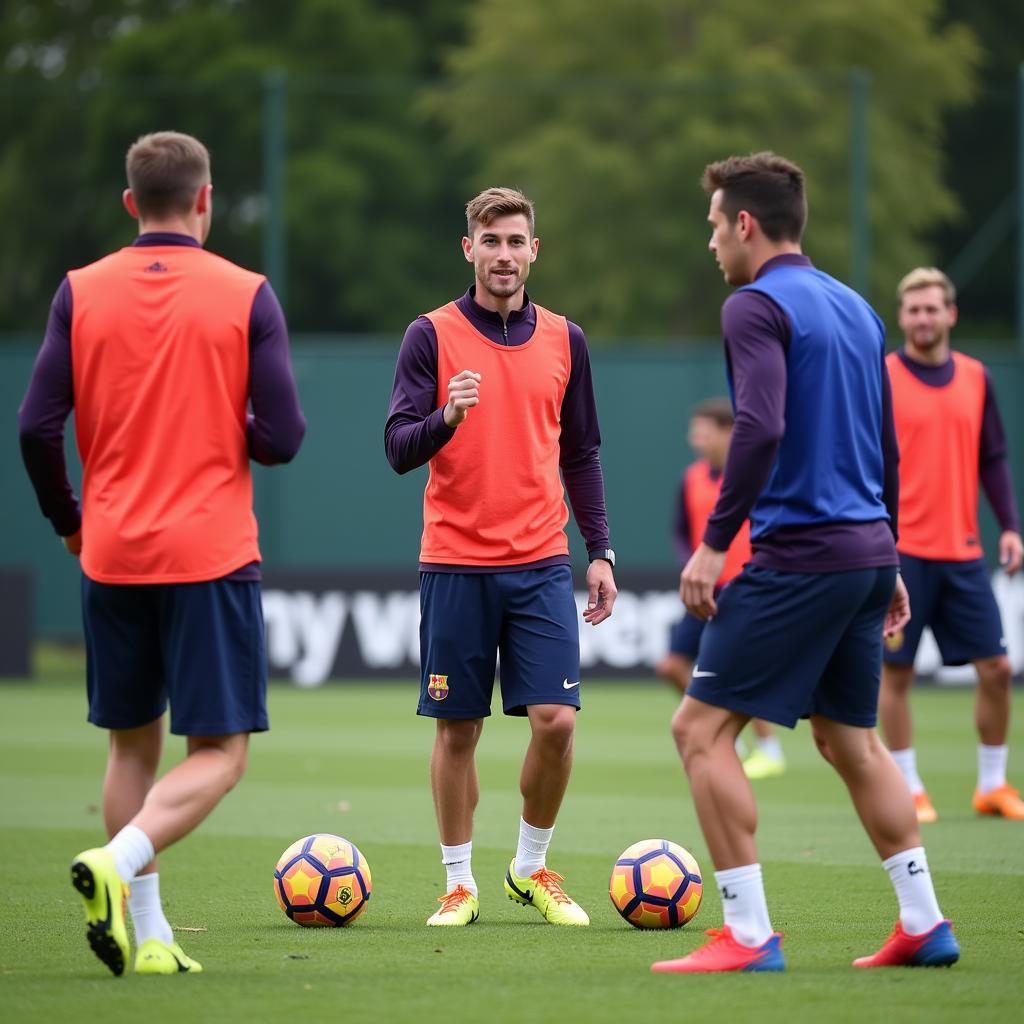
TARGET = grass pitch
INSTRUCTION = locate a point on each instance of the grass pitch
(353, 760)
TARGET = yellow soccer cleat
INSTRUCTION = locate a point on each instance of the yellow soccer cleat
(104, 893)
(156, 957)
(543, 891)
(458, 907)
(760, 766)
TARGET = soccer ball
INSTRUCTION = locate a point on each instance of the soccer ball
(322, 880)
(656, 884)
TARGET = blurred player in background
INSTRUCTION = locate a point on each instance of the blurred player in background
(495, 393)
(951, 436)
(159, 348)
(813, 462)
(710, 429)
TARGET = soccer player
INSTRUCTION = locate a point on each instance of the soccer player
(951, 436)
(710, 430)
(159, 347)
(495, 393)
(814, 464)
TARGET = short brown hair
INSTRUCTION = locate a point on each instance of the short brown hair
(927, 277)
(767, 186)
(718, 410)
(493, 203)
(165, 170)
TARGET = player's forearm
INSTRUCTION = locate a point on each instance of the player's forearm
(998, 487)
(44, 460)
(411, 441)
(584, 484)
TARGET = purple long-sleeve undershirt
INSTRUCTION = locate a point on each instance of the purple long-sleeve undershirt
(993, 452)
(415, 429)
(757, 334)
(274, 430)
(681, 534)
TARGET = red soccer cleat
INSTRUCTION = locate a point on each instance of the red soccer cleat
(935, 948)
(1004, 802)
(724, 953)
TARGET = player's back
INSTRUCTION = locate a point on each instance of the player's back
(160, 362)
(829, 465)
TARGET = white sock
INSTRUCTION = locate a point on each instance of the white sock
(991, 767)
(458, 862)
(906, 761)
(744, 905)
(132, 851)
(919, 909)
(532, 851)
(146, 911)
(771, 748)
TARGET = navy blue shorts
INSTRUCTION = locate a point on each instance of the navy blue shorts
(467, 619)
(684, 636)
(955, 599)
(199, 645)
(787, 645)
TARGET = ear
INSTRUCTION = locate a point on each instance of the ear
(204, 198)
(129, 203)
(534, 246)
(467, 249)
(744, 224)
(954, 315)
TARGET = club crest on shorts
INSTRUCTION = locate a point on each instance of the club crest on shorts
(894, 642)
(438, 688)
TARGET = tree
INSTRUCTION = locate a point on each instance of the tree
(606, 113)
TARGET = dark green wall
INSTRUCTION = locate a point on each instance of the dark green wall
(340, 504)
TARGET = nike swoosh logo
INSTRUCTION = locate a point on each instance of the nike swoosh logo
(701, 674)
(569, 686)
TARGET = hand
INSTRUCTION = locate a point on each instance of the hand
(463, 394)
(601, 584)
(698, 579)
(1011, 551)
(73, 543)
(898, 614)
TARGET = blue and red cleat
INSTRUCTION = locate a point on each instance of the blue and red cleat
(935, 948)
(724, 953)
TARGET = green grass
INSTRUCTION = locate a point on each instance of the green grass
(353, 760)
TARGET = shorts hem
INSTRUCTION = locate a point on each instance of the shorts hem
(102, 722)
(788, 721)
(520, 710)
(218, 729)
(426, 711)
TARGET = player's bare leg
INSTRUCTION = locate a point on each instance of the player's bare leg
(705, 736)
(453, 778)
(677, 669)
(875, 783)
(886, 809)
(992, 704)
(543, 782)
(456, 790)
(548, 762)
(897, 728)
(132, 761)
(894, 706)
(994, 795)
(186, 795)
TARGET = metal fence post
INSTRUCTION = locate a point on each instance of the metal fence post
(274, 236)
(860, 237)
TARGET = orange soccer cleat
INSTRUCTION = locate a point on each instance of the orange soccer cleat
(1004, 802)
(926, 813)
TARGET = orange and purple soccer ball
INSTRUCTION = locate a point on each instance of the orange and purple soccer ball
(656, 884)
(322, 880)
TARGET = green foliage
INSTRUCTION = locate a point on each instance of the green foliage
(606, 113)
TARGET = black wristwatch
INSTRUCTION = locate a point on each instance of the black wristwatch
(606, 553)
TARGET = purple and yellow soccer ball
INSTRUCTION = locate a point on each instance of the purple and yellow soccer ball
(656, 884)
(322, 881)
